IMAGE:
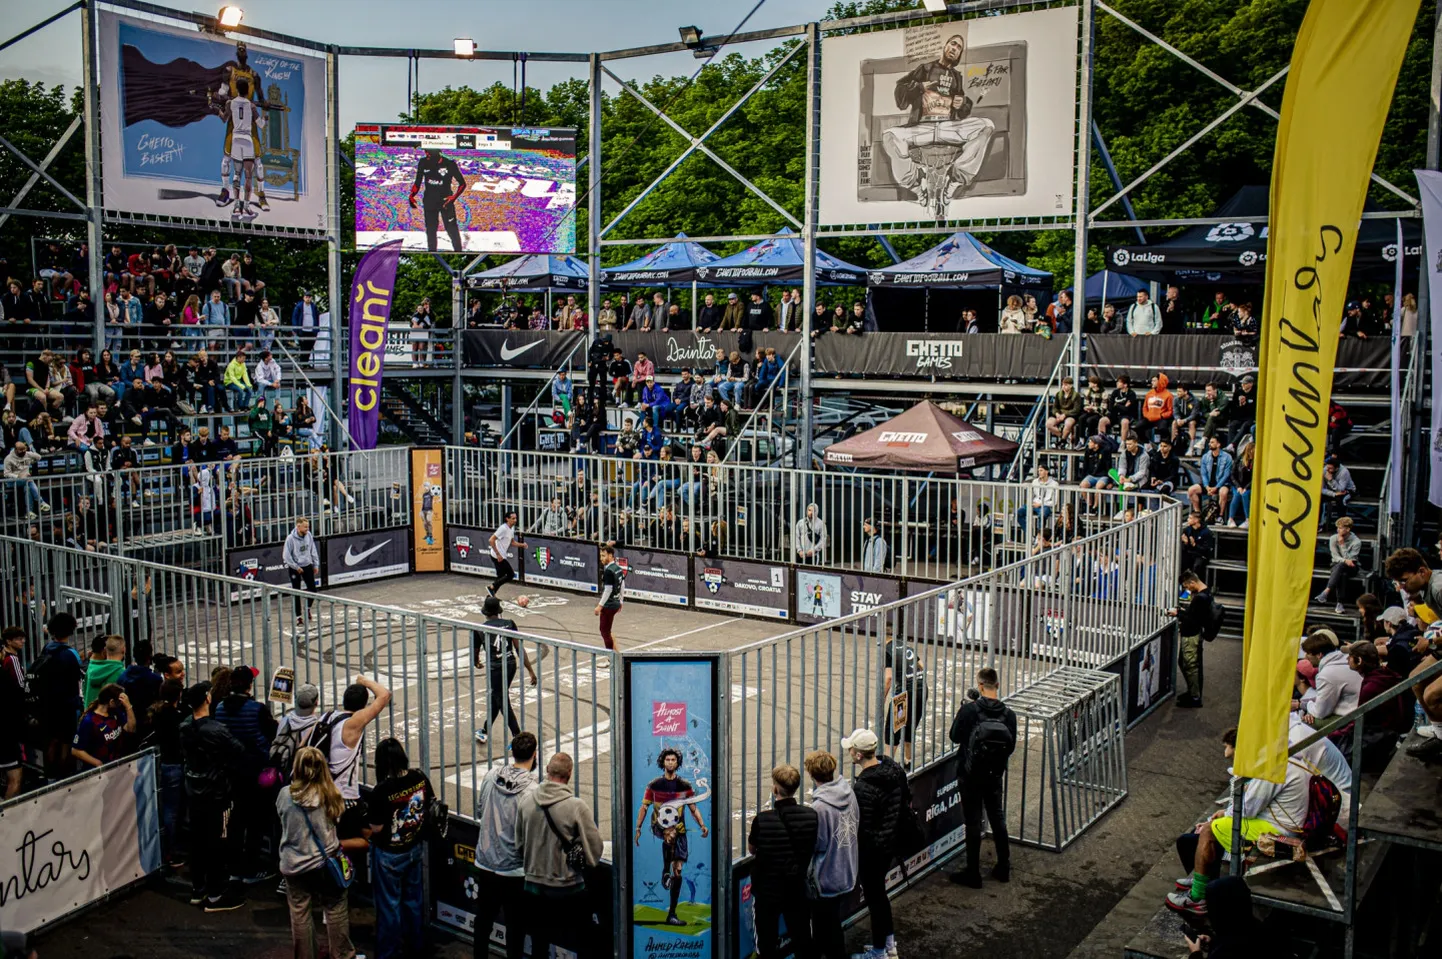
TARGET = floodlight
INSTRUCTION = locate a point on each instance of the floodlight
(691, 36)
(465, 47)
(229, 16)
(935, 6)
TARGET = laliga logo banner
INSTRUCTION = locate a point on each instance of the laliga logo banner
(370, 313)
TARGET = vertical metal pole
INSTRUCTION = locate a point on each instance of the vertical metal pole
(93, 194)
(593, 204)
(506, 417)
(808, 236)
(333, 272)
(1083, 189)
(458, 387)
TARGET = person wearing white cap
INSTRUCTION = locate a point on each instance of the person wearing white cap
(881, 795)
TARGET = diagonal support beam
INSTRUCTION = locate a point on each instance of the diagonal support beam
(75, 124)
(41, 172)
(1236, 90)
(1246, 99)
(698, 143)
(58, 15)
(1111, 168)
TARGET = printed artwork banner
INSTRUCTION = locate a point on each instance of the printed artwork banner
(188, 118)
(428, 484)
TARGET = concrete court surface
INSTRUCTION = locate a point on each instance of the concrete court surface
(1055, 903)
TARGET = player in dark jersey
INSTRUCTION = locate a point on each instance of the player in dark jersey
(435, 174)
(667, 797)
(613, 579)
(940, 113)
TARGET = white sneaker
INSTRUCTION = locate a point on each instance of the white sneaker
(1340, 609)
(44, 507)
(1244, 524)
(148, 442)
(150, 494)
(196, 529)
(891, 947)
(482, 738)
(30, 514)
(1120, 515)
(1231, 524)
(1427, 732)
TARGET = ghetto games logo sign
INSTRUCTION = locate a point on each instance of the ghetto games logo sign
(463, 546)
(713, 579)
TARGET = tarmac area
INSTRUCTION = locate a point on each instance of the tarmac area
(1072, 903)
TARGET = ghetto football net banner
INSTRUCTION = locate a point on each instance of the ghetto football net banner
(208, 127)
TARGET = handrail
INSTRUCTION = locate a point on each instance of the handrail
(545, 388)
(318, 394)
(733, 446)
(1028, 429)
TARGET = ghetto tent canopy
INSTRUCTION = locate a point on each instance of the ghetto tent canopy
(924, 438)
(536, 271)
(961, 260)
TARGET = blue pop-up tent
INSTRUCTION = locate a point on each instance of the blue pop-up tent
(1104, 286)
(535, 271)
(778, 259)
(670, 264)
(961, 261)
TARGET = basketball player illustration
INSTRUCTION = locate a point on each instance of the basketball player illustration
(435, 174)
(667, 797)
(241, 152)
(223, 97)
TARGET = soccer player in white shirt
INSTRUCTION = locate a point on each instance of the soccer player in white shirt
(501, 541)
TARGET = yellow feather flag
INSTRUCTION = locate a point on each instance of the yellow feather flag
(1344, 67)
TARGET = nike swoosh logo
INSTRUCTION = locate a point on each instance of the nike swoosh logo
(351, 558)
(509, 354)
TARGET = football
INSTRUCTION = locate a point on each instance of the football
(523, 601)
(668, 816)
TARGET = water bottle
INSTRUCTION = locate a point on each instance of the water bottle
(1420, 717)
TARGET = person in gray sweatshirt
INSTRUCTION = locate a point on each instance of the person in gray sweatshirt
(551, 818)
(500, 868)
(835, 862)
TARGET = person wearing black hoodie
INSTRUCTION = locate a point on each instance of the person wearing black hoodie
(983, 752)
(781, 840)
(1165, 468)
(212, 756)
(253, 818)
(1236, 932)
(881, 794)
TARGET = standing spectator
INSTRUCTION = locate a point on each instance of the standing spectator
(882, 795)
(105, 668)
(309, 810)
(400, 811)
(709, 317)
(101, 735)
(733, 317)
(12, 711)
(1197, 621)
(163, 720)
(1013, 318)
(59, 672)
(551, 820)
(1143, 317)
(810, 537)
(1245, 326)
(1217, 315)
(305, 320)
(873, 548)
(759, 315)
(782, 839)
(267, 324)
(1173, 319)
(1158, 410)
(1345, 549)
(210, 754)
(253, 725)
(1060, 314)
(984, 732)
(262, 426)
(834, 858)
(606, 318)
(422, 322)
(347, 751)
(302, 561)
(500, 867)
(247, 317)
(499, 655)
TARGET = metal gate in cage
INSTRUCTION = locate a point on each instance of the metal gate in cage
(1070, 763)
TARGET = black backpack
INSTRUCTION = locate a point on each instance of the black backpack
(288, 743)
(1219, 616)
(323, 731)
(41, 693)
(989, 747)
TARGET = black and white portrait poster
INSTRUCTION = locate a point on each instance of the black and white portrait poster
(957, 120)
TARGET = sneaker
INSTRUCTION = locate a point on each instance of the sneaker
(965, 878)
(1188, 702)
(1426, 749)
(224, 197)
(186, 408)
(891, 947)
(148, 442)
(260, 199)
(282, 888)
(136, 421)
(1231, 524)
(199, 531)
(1184, 903)
(1244, 524)
(1185, 883)
(1321, 598)
(1001, 872)
(30, 514)
(44, 507)
(226, 903)
(151, 494)
(259, 877)
(1428, 731)
(1339, 609)
(197, 897)
(300, 622)
(675, 920)
(482, 738)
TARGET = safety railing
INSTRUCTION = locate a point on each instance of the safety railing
(743, 447)
(1081, 605)
(933, 528)
(434, 667)
(544, 393)
(1034, 429)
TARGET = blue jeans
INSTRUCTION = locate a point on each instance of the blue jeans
(1044, 512)
(400, 909)
(730, 390)
(658, 495)
(240, 397)
(1240, 509)
(172, 800)
(32, 494)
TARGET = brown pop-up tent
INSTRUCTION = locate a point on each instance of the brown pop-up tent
(926, 438)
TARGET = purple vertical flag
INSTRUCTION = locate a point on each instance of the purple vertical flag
(371, 295)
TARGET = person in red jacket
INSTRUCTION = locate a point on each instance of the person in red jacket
(1157, 410)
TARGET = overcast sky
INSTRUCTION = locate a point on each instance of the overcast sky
(375, 89)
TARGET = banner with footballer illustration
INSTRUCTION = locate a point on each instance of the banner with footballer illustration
(672, 712)
(428, 483)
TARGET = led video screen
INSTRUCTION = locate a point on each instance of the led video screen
(466, 189)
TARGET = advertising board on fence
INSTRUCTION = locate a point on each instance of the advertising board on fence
(563, 563)
(734, 586)
(655, 576)
(428, 483)
(689, 349)
(930, 354)
(259, 564)
(70, 845)
(539, 348)
(360, 556)
(824, 595)
(469, 551)
(186, 116)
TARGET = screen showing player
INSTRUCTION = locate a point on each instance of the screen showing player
(466, 189)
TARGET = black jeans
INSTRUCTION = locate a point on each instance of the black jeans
(796, 909)
(499, 700)
(872, 877)
(303, 579)
(552, 910)
(496, 893)
(504, 574)
(1337, 582)
(978, 794)
(209, 864)
(251, 817)
(826, 933)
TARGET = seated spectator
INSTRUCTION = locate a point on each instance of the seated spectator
(1215, 480)
(250, 274)
(1165, 469)
(619, 372)
(237, 382)
(1134, 465)
(1242, 412)
(1245, 326)
(1093, 407)
(1345, 548)
(267, 375)
(1158, 410)
(44, 437)
(86, 429)
(655, 404)
(230, 276)
(1066, 410)
(1386, 725)
(1121, 408)
(1338, 487)
(1096, 468)
(1198, 545)
(1339, 426)
(642, 368)
(1240, 514)
(1211, 408)
(1043, 499)
(17, 466)
(1335, 689)
(1184, 417)
(628, 441)
(1397, 647)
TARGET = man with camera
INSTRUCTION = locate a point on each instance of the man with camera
(984, 731)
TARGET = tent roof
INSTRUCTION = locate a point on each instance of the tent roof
(669, 263)
(925, 437)
(534, 271)
(779, 259)
(960, 260)
(1115, 286)
(1237, 249)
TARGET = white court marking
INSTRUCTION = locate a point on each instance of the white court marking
(689, 632)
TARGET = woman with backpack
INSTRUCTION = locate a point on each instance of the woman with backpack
(310, 855)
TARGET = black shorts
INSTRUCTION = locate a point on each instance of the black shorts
(12, 754)
(680, 849)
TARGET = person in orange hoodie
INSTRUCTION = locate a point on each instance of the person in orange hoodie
(1157, 410)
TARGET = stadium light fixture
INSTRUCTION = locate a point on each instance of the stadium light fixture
(465, 47)
(935, 6)
(691, 36)
(229, 17)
